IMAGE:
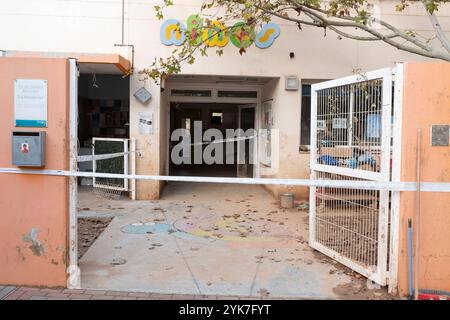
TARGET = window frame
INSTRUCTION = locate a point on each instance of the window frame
(305, 148)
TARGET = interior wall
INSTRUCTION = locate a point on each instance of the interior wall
(426, 101)
(104, 107)
(110, 86)
(34, 208)
(229, 110)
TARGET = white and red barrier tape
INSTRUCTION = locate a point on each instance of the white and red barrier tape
(352, 184)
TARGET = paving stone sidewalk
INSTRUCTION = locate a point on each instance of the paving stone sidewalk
(29, 293)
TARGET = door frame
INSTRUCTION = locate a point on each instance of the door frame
(255, 144)
(73, 269)
(214, 98)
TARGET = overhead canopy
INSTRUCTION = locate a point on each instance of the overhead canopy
(103, 64)
(88, 63)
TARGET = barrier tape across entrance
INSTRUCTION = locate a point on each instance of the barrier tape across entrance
(97, 157)
(86, 158)
(365, 185)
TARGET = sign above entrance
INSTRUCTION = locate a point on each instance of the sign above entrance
(173, 32)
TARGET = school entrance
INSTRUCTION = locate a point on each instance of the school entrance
(235, 239)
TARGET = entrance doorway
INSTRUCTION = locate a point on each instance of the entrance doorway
(103, 107)
(219, 116)
(103, 126)
(210, 238)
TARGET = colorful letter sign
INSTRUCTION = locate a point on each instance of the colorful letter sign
(194, 27)
(173, 32)
(242, 35)
(215, 35)
(267, 35)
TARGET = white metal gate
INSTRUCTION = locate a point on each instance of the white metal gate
(112, 155)
(351, 140)
(115, 160)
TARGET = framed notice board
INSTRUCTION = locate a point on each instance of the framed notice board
(30, 103)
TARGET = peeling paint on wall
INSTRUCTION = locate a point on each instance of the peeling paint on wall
(25, 255)
(64, 254)
(19, 251)
(36, 246)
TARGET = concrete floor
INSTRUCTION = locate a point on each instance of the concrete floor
(206, 239)
(205, 170)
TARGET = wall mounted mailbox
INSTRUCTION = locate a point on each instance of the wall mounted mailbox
(28, 149)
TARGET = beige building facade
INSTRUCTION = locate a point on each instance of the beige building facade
(91, 31)
(233, 91)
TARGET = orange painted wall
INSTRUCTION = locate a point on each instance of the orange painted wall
(38, 203)
(426, 102)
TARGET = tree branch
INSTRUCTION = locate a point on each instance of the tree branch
(289, 18)
(362, 26)
(315, 14)
(437, 28)
(352, 36)
(314, 23)
(422, 52)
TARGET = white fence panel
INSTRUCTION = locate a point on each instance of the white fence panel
(351, 140)
(110, 155)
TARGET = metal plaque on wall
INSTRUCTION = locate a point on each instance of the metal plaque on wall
(143, 95)
(440, 135)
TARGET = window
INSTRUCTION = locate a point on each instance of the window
(305, 123)
(190, 93)
(216, 117)
(186, 124)
(237, 94)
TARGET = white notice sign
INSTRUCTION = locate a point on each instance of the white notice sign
(30, 103)
(146, 122)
